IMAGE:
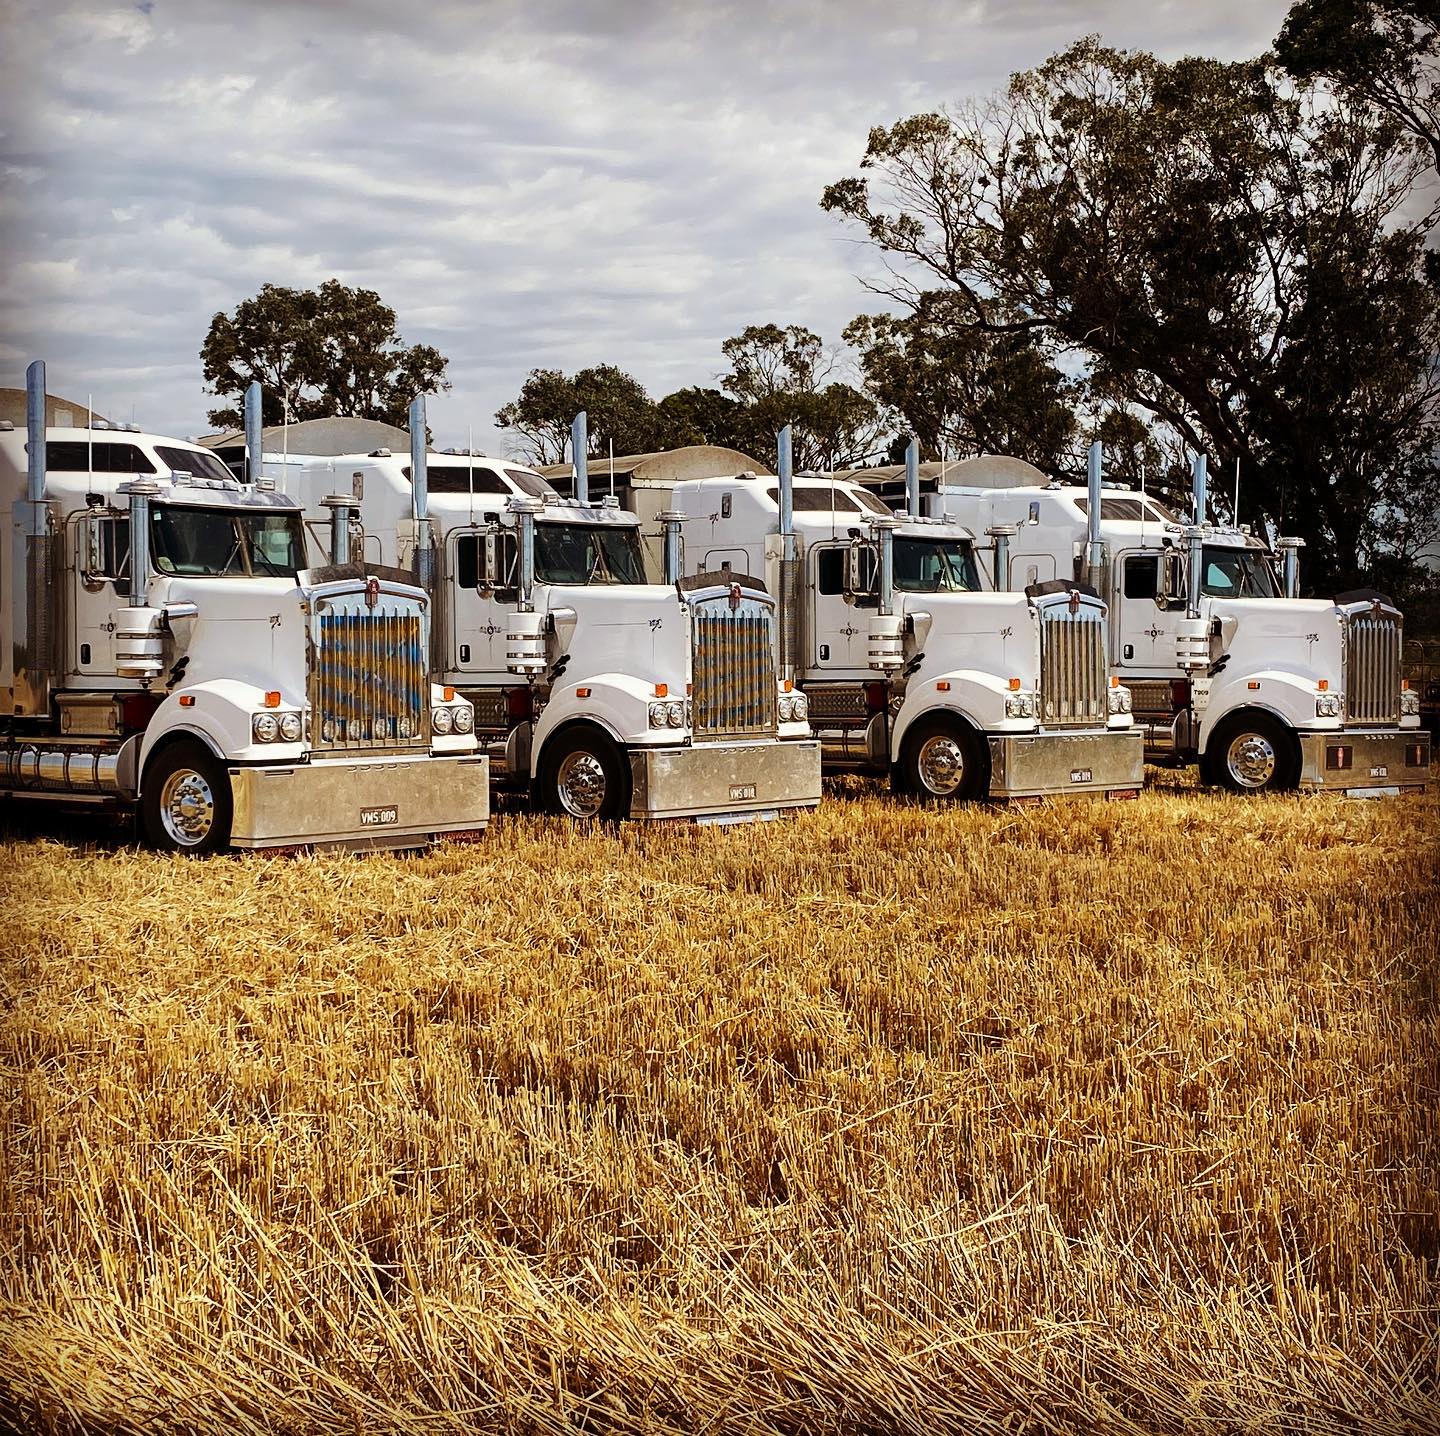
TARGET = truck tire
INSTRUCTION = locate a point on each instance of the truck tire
(185, 800)
(943, 761)
(1251, 752)
(583, 774)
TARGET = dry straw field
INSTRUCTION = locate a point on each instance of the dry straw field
(1115, 1117)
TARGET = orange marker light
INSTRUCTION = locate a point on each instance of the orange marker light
(449, 695)
(1253, 684)
(943, 686)
(272, 699)
(662, 690)
(187, 700)
(1014, 685)
(1323, 684)
(787, 685)
(582, 692)
(1114, 680)
(689, 688)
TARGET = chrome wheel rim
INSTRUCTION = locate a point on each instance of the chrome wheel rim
(581, 785)
(942, 765)
(187, 807)
(1250, 760)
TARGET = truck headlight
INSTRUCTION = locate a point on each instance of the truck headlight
(785, 708)
(659, 713)
(265, 727)
(1409, 703)
(464, 719)
(440, 721)
(1327, 705)
(290, 727)
(675, 714)
(1020, 705)
(1119, 699)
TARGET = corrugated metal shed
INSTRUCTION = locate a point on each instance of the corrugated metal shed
(324, 437)
(667, 466)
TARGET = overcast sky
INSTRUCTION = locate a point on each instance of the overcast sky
(528, 184)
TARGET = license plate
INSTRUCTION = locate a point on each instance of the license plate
(1080, 775)
(739, 792)
(379, 817)
(1380, 772)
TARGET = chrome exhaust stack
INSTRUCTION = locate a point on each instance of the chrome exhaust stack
(420, 497)
(525, 640)
(254, 434)
(791, 609)
(1192, 634)
(886, 644)
(34, 657)
(672, 519)
(1097, 558)
(1001, 534)
(139, 630)
(341, 506)
(912, 478)
(580, 454)
(1290, 557)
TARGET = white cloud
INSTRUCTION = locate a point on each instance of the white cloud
(528, 184)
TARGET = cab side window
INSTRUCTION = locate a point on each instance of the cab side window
(1142, 576)
(830, 570)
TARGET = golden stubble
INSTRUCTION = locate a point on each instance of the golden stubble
(1087, 1116)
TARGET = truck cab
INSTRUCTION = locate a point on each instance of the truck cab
(909, 661)
(171, 649)
(1262, 688)
(598, 693)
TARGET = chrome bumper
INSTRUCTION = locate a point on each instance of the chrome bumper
(1361, 762)
(724, 782)
(1044, 764)
(359, 802)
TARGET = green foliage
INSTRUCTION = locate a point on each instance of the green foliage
(619, 413)
(1240, 264)
(779, 376)
(700, 416)
(1384, 53)
(963, 390)
(318, 353)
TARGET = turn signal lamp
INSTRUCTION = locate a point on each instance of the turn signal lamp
(787, 685)
(449, 695)
(1323, 684)
(943, 686)
(662, 690)
(1253, 684)
(1114, 680)
(187, 700)
(582, 692)
(1014, 685)
(272, 699)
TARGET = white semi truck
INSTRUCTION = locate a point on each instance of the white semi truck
(908, 665)
(168, 650)
(597, 693)
(1229, 667)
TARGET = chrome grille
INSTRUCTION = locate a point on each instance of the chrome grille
(368, 678)
(1372, 666)
(836, 700)
(734, 684)
(1072, 665)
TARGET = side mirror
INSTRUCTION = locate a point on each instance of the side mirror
(855, 568)
(1172, 580)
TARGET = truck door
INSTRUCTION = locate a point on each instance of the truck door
(481, 585)
(1142, 632)
(100, 573)
(839, 630)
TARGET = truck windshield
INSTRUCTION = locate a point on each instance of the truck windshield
(934, 565)
(1236, 573)
(214, 543)
(588, 553)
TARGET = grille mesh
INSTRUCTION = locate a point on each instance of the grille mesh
(368, 674)
(1372, 668)
(1072, 667)
(734, 670)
